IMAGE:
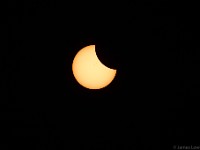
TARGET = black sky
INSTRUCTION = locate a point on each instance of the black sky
(152, 102)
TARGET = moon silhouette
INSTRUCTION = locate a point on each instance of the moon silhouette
(89, 71)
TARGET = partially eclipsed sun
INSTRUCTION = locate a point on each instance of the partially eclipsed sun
(89, 71)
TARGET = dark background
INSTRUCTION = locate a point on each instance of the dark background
(152, 102)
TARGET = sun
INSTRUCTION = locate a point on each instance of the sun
(89, 71)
